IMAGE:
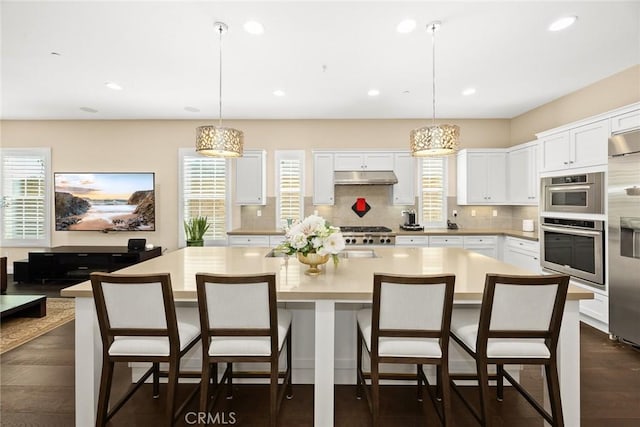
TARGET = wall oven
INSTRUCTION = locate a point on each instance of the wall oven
(581, 193)
(574, 247)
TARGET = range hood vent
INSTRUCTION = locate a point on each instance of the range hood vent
(364, 178)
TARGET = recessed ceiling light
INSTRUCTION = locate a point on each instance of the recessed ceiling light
(253, 27)
(373, 92)
(562, 23)
(469, 91)
(88, 110)
(406, 26)
(113, 85)
(279, 92)
(56, 54)
(192, 109)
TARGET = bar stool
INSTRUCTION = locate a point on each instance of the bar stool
(518, 323)
(407, 324)
(138, 323)
(240, 322)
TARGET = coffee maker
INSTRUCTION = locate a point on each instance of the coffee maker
(410, 221)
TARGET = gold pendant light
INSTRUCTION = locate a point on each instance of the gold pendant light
(434, 140)
(219, 141)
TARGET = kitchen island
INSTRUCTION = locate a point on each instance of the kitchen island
(349, 284)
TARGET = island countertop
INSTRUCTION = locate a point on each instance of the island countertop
(350, 280)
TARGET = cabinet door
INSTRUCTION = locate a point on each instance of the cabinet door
(412, 241)
(532, 172)
(518, 165)
(250, 178)
(404, 192)
(624, 122)
(348, 161)
(589, 144)
(496, 177)
(556, 152)
(378, 161)
(248, 240)
(442, 241)
(477, 178)
(323, 179)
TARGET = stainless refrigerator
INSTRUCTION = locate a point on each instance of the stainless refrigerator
(624, 236)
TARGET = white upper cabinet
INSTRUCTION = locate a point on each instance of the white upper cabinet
(482, 177)
(625, 122)
(363, 161)
(404, 166)
(323, 179)
(581, 146)
(522, 167)
(250, 180)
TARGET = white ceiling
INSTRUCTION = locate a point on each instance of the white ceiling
(325, 55)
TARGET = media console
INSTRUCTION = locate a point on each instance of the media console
(77, 262)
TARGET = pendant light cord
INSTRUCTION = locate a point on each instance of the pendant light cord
(433, 71)
(220, 30)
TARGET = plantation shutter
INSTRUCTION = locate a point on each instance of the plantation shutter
(204, 192)
(433, 191)
(26, 197)
(289, 182)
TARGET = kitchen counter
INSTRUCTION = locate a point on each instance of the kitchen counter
(314, 301)
(528, 235)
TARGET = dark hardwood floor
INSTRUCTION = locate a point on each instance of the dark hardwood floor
(37, 389)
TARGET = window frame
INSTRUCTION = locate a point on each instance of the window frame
(183, 153)
(280, 155)
(43, 153)
(445, 179)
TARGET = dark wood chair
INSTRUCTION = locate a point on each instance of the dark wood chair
(407, 324)
(518, 323)
(138, 323)
(240, 322)
(3, 274)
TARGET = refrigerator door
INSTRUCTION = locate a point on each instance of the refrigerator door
(624, 246)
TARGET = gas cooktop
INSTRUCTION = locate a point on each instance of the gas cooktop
(365, 229)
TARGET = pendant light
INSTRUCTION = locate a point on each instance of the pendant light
(219, 141)
(434, 140)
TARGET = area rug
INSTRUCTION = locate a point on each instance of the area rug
(15, 331)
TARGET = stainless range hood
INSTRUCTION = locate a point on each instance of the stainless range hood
(364, 178)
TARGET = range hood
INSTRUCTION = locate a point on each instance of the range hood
(364, 178)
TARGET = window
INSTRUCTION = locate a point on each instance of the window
(433, 191)
(289, 186)
(26, 197)
(203, 192)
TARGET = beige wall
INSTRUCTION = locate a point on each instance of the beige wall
(615, 91)
(152, 146)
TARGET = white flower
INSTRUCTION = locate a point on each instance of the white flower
(299, 241)
(333, 244)
(313, 224)
(317, 242)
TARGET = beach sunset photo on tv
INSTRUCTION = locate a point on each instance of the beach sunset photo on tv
(121, 201)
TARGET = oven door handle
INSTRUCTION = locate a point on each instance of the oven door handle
(571, 231)
(569, 187)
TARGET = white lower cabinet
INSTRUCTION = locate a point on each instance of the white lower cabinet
(446, 241)
(276, 240)
(485, 245)
(412, 241)
(522, 253)
(596, 308)
(248, 240)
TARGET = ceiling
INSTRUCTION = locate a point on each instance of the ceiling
(57, 56)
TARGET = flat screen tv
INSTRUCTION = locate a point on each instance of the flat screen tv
(99, 201)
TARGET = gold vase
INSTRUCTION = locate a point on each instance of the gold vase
(313, 261)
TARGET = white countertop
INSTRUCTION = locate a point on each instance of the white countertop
(351, 280)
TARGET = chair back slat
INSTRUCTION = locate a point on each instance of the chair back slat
(518, 307)
(238, 305)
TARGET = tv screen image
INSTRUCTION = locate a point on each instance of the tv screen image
(105, 201)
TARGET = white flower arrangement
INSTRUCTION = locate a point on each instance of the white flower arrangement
(313, 235)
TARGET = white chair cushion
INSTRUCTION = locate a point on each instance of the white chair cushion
(251, 346)
(398, 346)
(464, 325)
(153, 346)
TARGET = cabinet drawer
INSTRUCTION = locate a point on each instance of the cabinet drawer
(625, 122)
(412, 240)
(521, 244)
(475, 241)
(83, 259)
(437, 241)
(275, 240)
(249, 241)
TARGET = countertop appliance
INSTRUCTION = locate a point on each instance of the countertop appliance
(368, 235)
(410, 223)
(574, 247)
(624, 236)
(582, 193)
